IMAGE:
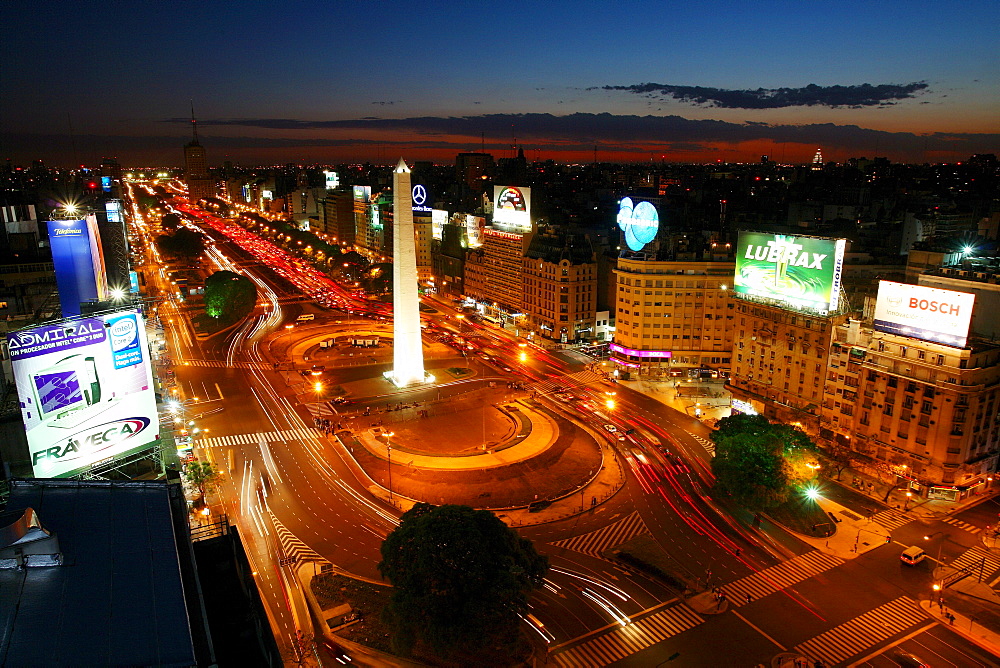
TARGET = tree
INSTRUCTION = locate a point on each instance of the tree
(838, 457)
(460, 579)
(757, 461)
(184, 242)
(202, 475)
(229, 296)
(170, 221)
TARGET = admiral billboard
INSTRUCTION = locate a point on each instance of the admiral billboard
(796, 272)
(512, 209)
(86, 391)
(940, 316)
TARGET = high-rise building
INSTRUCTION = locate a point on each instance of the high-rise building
(494, 273)
(560, 287)
(338, 216)
(199, 181)
(921, 411)
(672, 314)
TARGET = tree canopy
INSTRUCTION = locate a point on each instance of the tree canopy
(460, 578)
(184, 242)
(229, 296)
(757, 461)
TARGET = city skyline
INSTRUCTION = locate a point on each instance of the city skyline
(348, 83)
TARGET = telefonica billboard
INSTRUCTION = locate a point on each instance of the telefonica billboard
(795, 272)
(512, 209)
(79, 262)
(941, 316)
(86, 391)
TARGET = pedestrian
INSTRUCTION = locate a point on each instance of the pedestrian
(951, 619)
(749, 598)
(737, 552)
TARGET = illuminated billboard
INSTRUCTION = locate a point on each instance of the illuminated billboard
(79, 262)
(332, 180)
(659, 354)
(421, 198)
(512, 209)
(475, 230)
(438, 219)
(640, 222)
(362, 193)
(86, 391)
(941, 316)
(795, 272)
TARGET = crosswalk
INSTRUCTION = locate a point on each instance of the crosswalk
(571, 381)
(787, 573)
(861, 633)
(891, 518)
(222, 364)
(269, 436)
(595, 543)
(627, 640)
(975, 557)
(292, 548)
(321, 409)
(964, 526)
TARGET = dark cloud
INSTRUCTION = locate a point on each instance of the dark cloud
(864, 95)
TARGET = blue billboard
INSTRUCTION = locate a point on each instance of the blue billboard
(79, 264)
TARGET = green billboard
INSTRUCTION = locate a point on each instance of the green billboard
(794, 272)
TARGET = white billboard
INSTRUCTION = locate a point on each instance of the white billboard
(475, 227)
(941, 316)
(512, 209)
(86, 391)
(439, 217)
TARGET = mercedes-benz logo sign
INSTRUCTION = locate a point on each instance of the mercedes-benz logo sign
(419, 195)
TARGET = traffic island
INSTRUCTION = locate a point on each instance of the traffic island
(539, 456)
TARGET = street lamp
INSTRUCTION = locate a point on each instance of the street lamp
(388, 454)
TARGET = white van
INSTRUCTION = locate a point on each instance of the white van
(305, 317)
(912, 556)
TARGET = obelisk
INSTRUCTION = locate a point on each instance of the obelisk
(408, 352)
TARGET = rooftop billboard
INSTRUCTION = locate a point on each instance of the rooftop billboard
(795, 272)
(512, 209)
(79, 262)
(639, 221)
(940, 316)
(86, 391)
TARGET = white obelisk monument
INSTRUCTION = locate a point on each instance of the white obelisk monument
(408, 352)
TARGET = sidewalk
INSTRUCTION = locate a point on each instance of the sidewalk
(918, 507)
(854, 534)
(964, 626)
(707, 400)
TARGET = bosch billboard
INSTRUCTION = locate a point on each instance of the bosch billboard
(86, 391)
(941, 316)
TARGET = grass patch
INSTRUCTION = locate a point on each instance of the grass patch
(332, 589)
(802, 515)
(644, 554)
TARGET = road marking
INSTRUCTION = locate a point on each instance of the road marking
(770, 580)
(973, 557)
(895, 643)
(596, 542)
(964, 526)
(860, 633)
(892, 519)
(755, 628)
(291, 547)
(283, 436)
(624, 641)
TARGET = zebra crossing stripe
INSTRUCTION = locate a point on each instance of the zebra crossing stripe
(864, 631)
(625, 641)
(768, 581)
(965, 526)
(891, 518)
(973, 557)
(707, 443)
(596, 542)
(269, 436)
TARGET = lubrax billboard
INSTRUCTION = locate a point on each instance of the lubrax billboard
(795, 272)
(941, 316)
(86, 391)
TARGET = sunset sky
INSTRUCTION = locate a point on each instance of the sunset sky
(276, 82)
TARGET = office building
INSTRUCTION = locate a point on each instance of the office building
(560, 287)
(199, 182)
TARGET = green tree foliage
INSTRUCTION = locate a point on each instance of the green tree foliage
(229, 296)
(184, 242)
(756, 461)
(202, 475)
(460, 578)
